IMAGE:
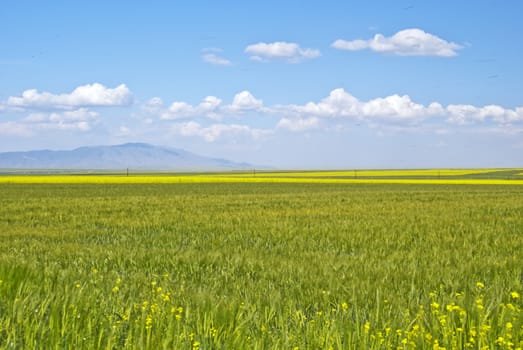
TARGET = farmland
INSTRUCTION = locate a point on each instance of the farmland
(273, 260)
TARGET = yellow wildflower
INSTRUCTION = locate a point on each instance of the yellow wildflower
(148, 322)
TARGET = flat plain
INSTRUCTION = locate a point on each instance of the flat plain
(280, 260)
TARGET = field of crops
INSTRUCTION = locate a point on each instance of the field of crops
(248, 264)
(411, 176)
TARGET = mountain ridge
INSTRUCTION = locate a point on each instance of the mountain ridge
(135, 155)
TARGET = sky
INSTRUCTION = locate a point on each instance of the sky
(295, 84)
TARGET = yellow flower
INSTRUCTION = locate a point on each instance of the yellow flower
(116, 289)
(480, 285)
(367, 327)
(514, 295)
(485, 328)
(344, 306)
(148, 322)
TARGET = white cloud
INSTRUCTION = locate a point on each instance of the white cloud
(393, 109)
(211, 107)
(408, 42)
(207, 108)
(83, 96)
(244, 101)
(299, 124)
(290, 52)
(81, 119)
(468, 114)
(210, 103)
(340, 103)
(82, 114)
(214, 132)
(215, 60)
(153, 105)
(12, 128)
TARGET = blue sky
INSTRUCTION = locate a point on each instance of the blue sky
(294, 84)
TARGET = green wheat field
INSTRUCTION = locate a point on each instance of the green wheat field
(427, 259)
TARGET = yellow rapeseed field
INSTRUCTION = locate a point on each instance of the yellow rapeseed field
(396, 177)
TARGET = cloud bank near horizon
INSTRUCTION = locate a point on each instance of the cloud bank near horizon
(210, 119)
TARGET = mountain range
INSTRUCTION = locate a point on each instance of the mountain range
(138, 156)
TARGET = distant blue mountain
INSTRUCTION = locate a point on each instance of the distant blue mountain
(139, 156)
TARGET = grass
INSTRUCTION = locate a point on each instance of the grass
(260, 265)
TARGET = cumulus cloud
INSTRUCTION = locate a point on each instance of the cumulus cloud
(290, 52)
(214, 132)
(207, 108)
(393, 109)
(244, 101)
(299, 124)
(89, 95)
(215, 59)
(408, 42)
(82, 114)
(211, 107)
(80, 119)
(468, 114)
(340, 103)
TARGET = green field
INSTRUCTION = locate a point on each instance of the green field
(261, 265)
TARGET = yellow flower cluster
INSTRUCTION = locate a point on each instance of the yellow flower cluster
(455, 323)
